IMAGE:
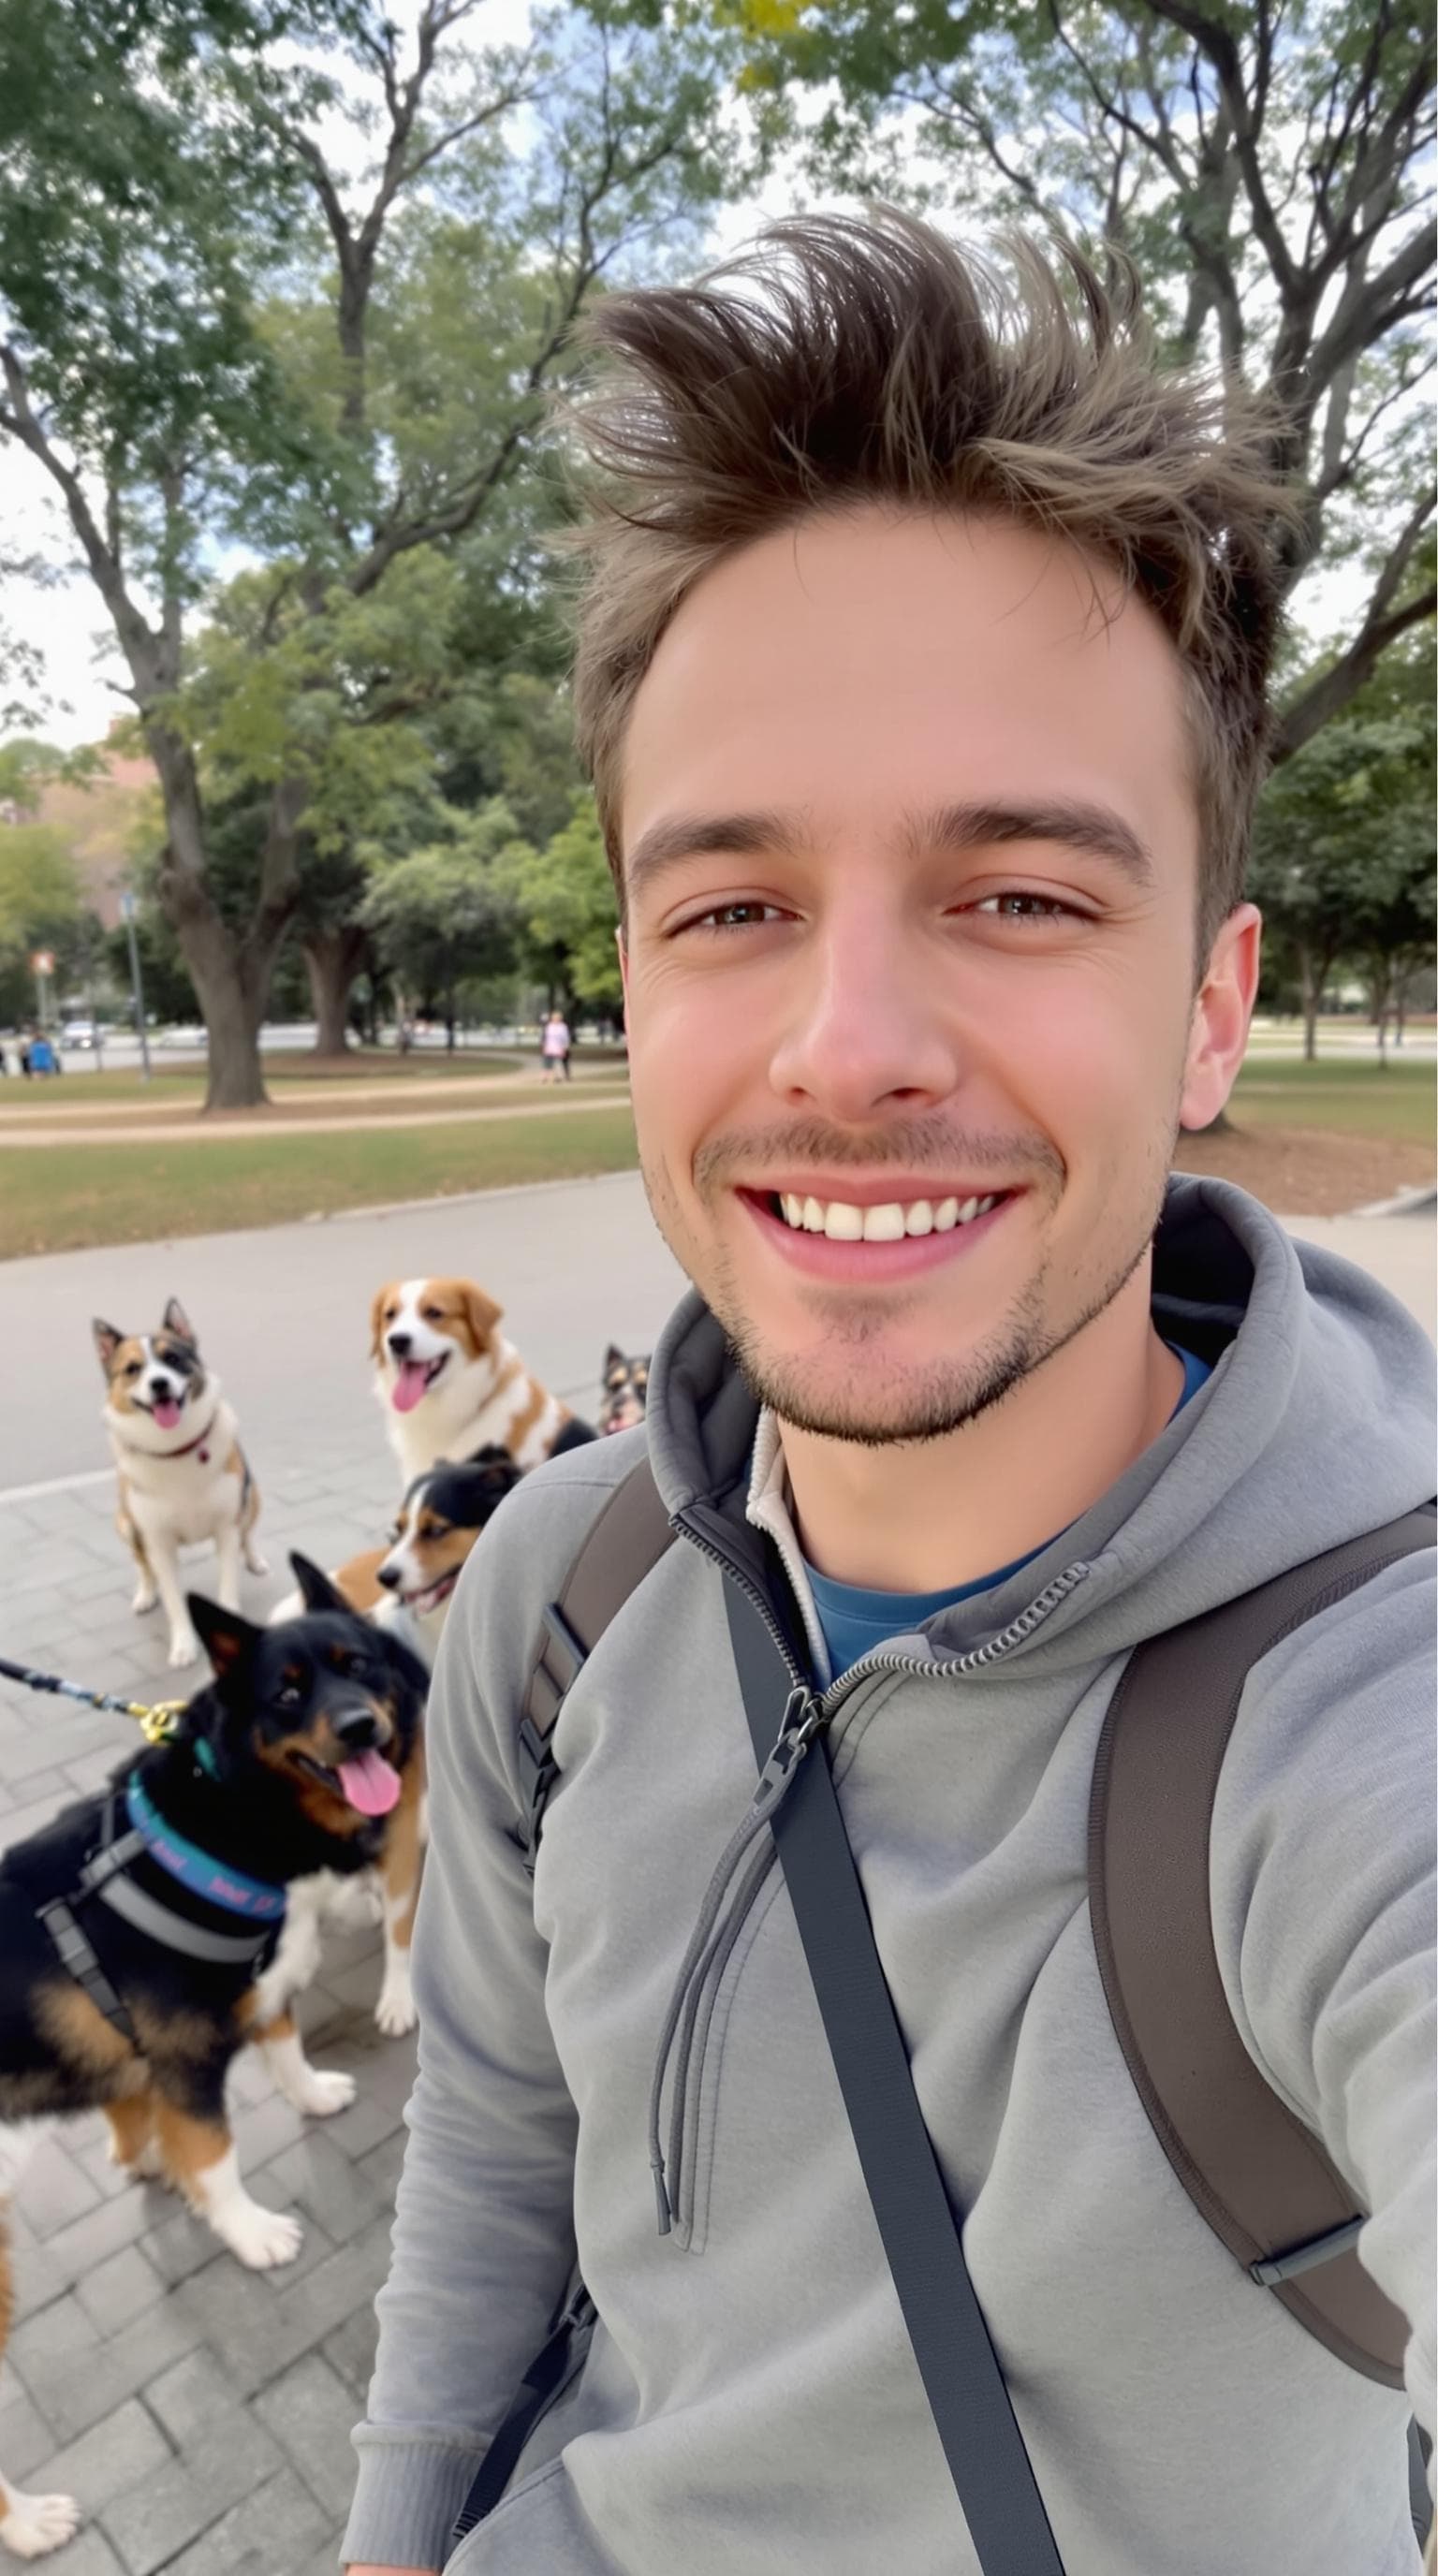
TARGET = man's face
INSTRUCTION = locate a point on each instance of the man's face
(911, 859)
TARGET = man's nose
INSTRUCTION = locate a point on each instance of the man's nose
(399, 1344)
(865, 1032)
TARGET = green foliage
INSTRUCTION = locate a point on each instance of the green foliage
(444, 915)
(565, 898)
(1343, 841)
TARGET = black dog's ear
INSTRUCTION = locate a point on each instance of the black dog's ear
(107, 1341)
(613, 1358)
(175, 1320)
(229, 1640)
(316, 1590)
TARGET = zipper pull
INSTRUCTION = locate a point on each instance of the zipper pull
(803, 1718)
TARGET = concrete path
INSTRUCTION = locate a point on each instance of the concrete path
(202, 2413)
(205, 1131)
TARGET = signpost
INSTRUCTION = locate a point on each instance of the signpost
(42, 967)
(127, 915)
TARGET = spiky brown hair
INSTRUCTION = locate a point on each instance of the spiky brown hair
(847, 360)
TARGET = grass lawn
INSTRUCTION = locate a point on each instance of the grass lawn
(1398, 1101)
(285, 1074)
(82, 1194)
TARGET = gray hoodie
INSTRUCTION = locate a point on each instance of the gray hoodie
(750, 2402)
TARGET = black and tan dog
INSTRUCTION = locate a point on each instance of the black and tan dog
(134, 1927)
(624, 1389)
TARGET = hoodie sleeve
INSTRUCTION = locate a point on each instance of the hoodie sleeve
(483, 2241)
(1322, 1867)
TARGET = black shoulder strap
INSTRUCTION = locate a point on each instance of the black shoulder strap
(1259, 2177)
(624, 1544)
(920, 2228)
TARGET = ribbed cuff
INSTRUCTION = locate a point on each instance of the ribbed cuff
(407, 2496)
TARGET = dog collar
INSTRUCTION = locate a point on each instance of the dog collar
(212, 1879)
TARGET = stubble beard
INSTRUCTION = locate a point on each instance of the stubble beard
(826, 1391)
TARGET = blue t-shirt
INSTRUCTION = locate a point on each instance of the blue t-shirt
(855, 1620)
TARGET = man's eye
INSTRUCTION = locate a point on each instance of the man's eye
(733, 916)
(1017, 905)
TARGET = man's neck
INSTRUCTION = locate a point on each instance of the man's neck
(922, 1516)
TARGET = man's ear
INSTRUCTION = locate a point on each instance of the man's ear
(316, 1590)
(229, 1640)
(378, 1303)
(482, 1314)
(176, 1321)
(107, 1342)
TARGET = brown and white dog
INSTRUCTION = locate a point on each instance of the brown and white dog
(451, 1384)
(183, 1476)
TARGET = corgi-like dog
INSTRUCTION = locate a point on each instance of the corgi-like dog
(451, 1384)
(183, 1476)
(134, 1928)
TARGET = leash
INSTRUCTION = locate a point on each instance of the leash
(156, 1722)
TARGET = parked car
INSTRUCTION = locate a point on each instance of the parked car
(79, 1033)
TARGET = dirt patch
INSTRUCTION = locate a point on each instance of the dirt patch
(1306, 1171)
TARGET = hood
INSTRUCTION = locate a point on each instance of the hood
(1316, 1425)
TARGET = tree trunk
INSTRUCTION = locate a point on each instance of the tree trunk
(332, 961)
(233, 1003)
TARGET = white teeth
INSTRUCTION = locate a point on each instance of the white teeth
(887, 1223)
(884, 1224)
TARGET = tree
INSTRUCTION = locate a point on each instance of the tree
(564, 895)
(40, 908)
(444, 915)
(218, 334)
(1343, 841)
(1268, 168)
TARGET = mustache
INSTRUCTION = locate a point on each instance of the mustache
(926, 1145)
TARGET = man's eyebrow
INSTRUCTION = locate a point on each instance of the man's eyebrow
(1069, 822)
(1075, 825)
(698, 836)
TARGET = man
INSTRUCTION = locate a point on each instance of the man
(922, 677)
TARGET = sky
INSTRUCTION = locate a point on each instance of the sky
(64, 622)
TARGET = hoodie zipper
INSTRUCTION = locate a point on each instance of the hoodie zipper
(806, 1715)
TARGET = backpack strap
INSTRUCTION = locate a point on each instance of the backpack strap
(625, 1544)
(1253, 2171)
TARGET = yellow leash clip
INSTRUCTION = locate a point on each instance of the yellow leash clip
(158, 1724)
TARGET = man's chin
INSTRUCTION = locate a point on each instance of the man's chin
(873, 1405)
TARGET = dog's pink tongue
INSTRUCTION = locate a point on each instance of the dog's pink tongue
(408, 1386)
(167, 1412)
(370, 1784)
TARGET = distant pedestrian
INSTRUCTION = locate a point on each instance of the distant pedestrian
(554, 1045)
(43, 1058)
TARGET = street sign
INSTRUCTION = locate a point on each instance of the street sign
(42, 962)
(127, 907)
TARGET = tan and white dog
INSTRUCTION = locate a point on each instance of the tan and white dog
(183, 1476)
(451, 1384)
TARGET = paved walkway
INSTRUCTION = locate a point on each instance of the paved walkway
(202, 2413)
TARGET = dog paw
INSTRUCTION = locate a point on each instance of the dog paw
(326, 2090)
(260, 2237)
(33, 2524)
(257, 1564)
(144, 1600)
(356, 1905)
(144, 2166)
(184, 1649)
(395, 2012)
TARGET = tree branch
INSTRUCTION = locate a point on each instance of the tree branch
(1382, 625)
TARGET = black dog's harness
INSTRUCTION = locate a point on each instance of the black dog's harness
(104, 1877)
